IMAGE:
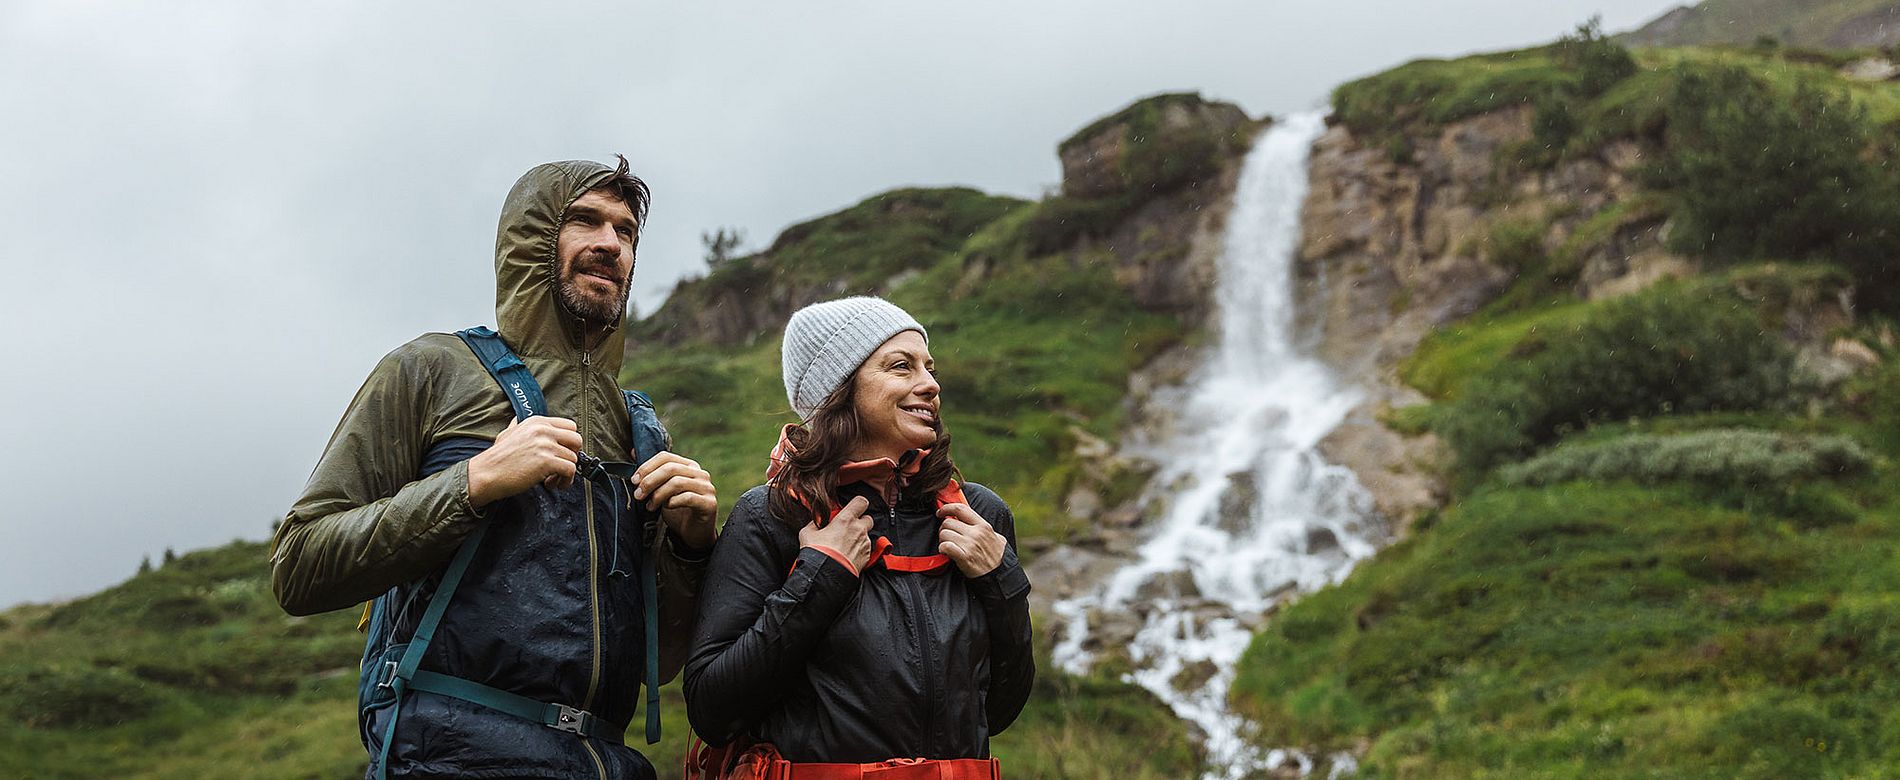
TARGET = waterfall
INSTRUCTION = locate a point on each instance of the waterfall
(1247, 513)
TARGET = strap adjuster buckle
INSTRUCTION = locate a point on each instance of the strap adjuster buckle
(572, 720)
(389, 674)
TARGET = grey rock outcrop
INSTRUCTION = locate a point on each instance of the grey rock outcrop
(1392, 249)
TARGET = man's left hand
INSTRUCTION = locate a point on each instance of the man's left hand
(683, 494)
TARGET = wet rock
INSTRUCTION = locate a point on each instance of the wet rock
(1124, 516)
(1172, 585)
(1238, 504)
(1111, 628)
(1064, 571)
(1193, 676)
(1082, 502)
(1320, 540)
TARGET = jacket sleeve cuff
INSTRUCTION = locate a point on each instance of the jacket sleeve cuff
(820, 582)
(458, 477)
(686, 552)
(1006, 582)
(834, 555)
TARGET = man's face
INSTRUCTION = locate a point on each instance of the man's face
(594, 258)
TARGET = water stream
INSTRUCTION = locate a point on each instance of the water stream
(1247, 513)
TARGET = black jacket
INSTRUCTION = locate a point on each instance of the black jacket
(833, 667)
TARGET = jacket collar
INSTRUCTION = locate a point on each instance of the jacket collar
(884, 475)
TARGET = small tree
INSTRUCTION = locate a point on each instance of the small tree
(1598, 61)
(145, 566)
(722, 246)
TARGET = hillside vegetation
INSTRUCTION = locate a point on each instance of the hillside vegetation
(1673, 550)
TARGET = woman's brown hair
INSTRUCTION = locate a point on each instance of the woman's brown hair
(823, 443)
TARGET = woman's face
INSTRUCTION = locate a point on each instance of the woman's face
(896, 398)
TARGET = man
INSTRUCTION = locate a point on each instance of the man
(430, 450)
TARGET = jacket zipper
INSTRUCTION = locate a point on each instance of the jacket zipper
(926, 642)
(593, 558)
(593, 543)
(599, 766)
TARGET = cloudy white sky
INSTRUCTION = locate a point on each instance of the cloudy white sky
(217, 216)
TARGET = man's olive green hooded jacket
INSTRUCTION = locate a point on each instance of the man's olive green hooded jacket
(538, 613)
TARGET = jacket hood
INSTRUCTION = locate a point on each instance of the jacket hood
(526, 310)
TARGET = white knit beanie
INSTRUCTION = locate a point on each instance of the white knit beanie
(826, 342)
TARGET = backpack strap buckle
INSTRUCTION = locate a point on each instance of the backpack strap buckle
(571, 720)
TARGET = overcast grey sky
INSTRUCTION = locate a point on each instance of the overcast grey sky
(217, 216)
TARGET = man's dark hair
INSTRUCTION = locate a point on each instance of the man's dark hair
(631, 190)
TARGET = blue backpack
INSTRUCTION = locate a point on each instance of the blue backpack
(649, 438)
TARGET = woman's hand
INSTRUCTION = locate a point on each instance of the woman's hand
(848, 534)
(969, 540)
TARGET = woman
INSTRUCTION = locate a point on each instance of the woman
(862, 606)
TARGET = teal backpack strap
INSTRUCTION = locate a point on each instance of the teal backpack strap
(523, 392)
(400, 673)
(649, 439)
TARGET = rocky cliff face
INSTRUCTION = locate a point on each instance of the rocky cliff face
(1396, 245)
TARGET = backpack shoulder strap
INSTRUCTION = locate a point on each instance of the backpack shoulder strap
(649, 439)
(649, 436)
(524, 394)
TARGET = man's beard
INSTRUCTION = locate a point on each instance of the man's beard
(590, 309)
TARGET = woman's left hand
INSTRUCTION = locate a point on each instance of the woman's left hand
(968, 539)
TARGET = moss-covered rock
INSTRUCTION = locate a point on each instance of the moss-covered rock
(1154, 145)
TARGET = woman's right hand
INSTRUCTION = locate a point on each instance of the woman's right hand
(848, 534)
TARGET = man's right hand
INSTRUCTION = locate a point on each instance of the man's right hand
(538, 450)
(848, 534)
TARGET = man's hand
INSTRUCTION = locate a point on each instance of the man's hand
(969, 540)
(538, 450)
(683, 494)
(848, 534)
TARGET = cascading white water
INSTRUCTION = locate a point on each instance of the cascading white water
(1249, 511)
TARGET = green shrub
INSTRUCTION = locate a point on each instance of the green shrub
(1160, 159)
(1517, 244)
(1057, 223)
(1598, 61)
(64, 696)
(1781, 741)
(1552, 126)
(1671, 350)
(1727, 456)
(1759, 172)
